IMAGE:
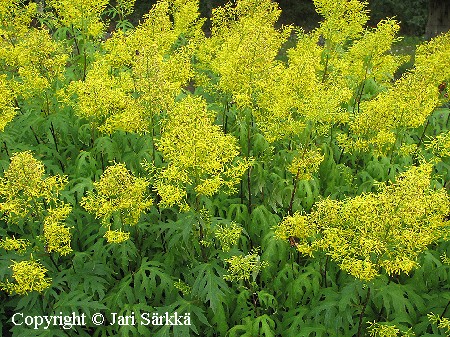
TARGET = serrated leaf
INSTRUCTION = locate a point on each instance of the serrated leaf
(209, 284)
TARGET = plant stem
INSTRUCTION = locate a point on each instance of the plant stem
(6, 148)
(84, 63)
(249, 184)
(363, 310)
(52, 130)
(225, 117)
(54, 263)
(423, 133)
(324, 273)
(291, 203)
(445, 309)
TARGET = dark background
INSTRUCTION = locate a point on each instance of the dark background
(417, 17)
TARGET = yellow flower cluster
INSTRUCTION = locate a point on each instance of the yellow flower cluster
(30, 58)
(15, 19)
(118, 196)
(306, 163)
(125, 7)
(440, 321)
(243, 46)
(298, 228)
(7, 108)
(19, 245)
(388, 229)
(84, 15)
(370, 57)
(440, 145)
(244, 267)
(57, 236)
(24, 188)
(383, 330)
(142, 72)
(197, 152)
(37, 59)
(344, 19)
(116, 236)
(104, 98)
(228, 235)
(445, 259)
(183, 287)
(408, 102)
(29, 276)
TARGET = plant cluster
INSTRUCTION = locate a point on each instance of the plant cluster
(263, 181)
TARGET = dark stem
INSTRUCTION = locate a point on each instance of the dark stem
(324, 272)
(6, 148)
(291, 203)
(445, 309)
(84, 63)
(255, 303)
(75, 41)
(103, 161)
(423, 133)
(363, 310)
(93, 135)
(52, 130)
(340, 156)
(360, 94)
(35, 135)
(54, 263)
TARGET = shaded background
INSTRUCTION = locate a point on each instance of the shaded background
(418, 17)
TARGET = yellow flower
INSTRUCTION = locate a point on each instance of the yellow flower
(141, 73)
(7, 108)
(36, 61)
(19, 245)
(29, 276)
(197, 152)
(183, 287)
(344, 19)
(25, 189)
(370, 57)
(298, 228)
(81, 14)
(306, 163)
(244, 267)
(243, 45)
(116, 236)
(441, 322)
(57, 236)
(409, 101)
(15, 18)
(125, 7)
(228, 235)
(388, 229)
(382, 330)
(118, 194)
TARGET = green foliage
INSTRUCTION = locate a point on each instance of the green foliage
(256, 181)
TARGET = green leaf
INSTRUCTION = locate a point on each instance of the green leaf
(209, 285)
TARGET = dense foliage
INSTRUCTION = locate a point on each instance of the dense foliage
(257, 181)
